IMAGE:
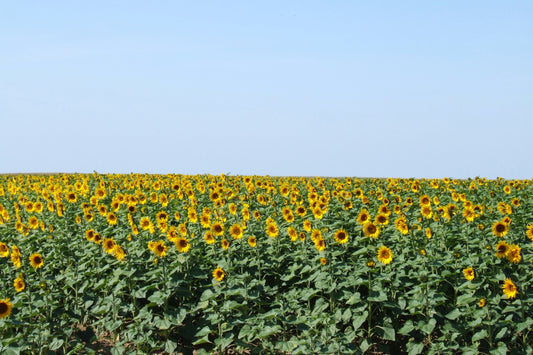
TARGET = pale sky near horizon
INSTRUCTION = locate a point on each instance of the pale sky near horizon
(339, 88)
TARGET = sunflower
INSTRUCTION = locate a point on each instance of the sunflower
(425, 200)
(36, 260)
(316, 234)
(293, 234)
(89, 234)
(323, 261)
(217, 229)
(112, 219)
(529, 232)
(482, 302)
(5, 308)
(469, 273)
(182, 245)
(219, 274)
(307, 225)
(208, 237)
(513, 254)
(500, 228)
(341, 236)
(320, 244)
(4, 250)
(502, 249)
(236, 231)
(225, 244)
(97, 238)
(370, 230)
(509, 288)
(381, 219)
(272, 230)
(429, 233)
(118, 252)
(252, 241)
(158, 248)
(426, 212)
(363, 216)
(384, 255)
(301, 211)
(108, 245)
(33, 222)
(19, 283)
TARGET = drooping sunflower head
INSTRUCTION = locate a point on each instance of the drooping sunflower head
(36, 261)
(384, 255)
(219, 274)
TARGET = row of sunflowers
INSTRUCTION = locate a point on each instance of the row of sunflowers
(182, 263)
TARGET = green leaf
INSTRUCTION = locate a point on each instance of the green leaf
(170, 346)
(56, 344)
(427, 327)
(453, 315)
(162, 323)
(482, 334)
(359, 320)
(389, 333)
(500, 350)
(414, 348)
(407, 328)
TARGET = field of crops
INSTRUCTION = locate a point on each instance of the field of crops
(176, 264)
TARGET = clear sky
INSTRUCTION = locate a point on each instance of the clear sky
(331, 88)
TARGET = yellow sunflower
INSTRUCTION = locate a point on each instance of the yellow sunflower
(509, 288)
(19, 283)
(236, 231)
(500, 228)
(341, 236)
(502, 249)
(219, 274)
(469, 273)
(385, 255)
(513, 254)
(182, 245)
(4, 250)
(36, 260)
(5, 308)
(208, 237)
(252, 241)
(371, 230)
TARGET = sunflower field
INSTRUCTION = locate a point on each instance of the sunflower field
(95, 263)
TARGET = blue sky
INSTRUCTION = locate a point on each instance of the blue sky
(341, 88)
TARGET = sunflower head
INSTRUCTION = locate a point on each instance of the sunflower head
(36, 261)
(182, 245)
(509, 288)
(252, 241)
(370, 230)
(219, 274)
(5, 308)
(385, 255)
(500, 228)
(469, 273)
(341, 236)
(502, 249)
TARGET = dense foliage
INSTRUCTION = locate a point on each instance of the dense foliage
(174, 263)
